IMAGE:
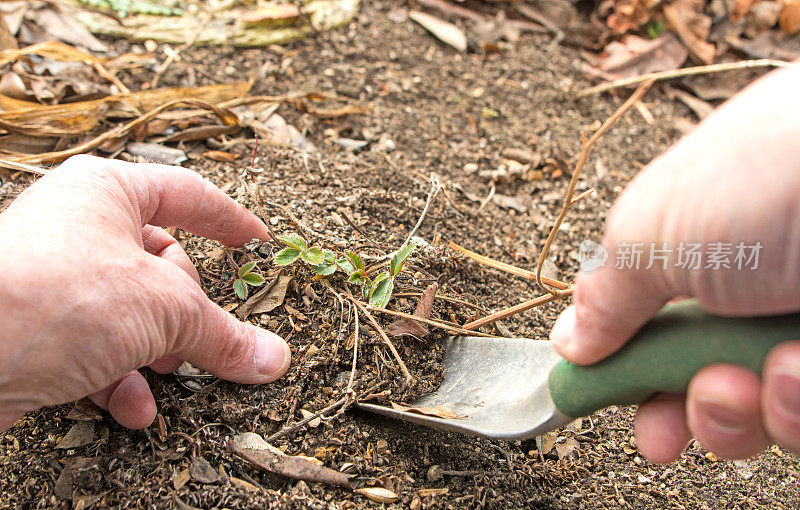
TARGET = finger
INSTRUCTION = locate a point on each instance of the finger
(166, 365)
(8, 419)
(210, 338)
(128, 400)
(172, 196)
(660, 428)
(158, 242)
(724, 411)
(781, 395)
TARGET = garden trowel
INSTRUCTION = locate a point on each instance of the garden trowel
(514, 388)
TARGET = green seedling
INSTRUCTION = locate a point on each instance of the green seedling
(247, 277)
(377, 291)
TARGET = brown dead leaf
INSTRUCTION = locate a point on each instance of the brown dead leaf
(267, 299)
(201, 471)
(51, 49)
(771, 44)
(59, 24)
(85, 410)
(568, 449)
(740, 9)
(290, 466)
(633, 56)
(423, 310)
(790, 16)
(332, 113)
(493, 30)
(156, 153)
(440, 411)
(65, 484)
(276, 131)
(628, 15)
(200, 133)
(221, 156)
(692, 27)
(546, 441)
(180, 479)
(267, 15)
(81, 434)
(444, 31)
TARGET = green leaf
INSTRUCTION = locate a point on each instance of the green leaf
(246, 268)
(313, 256)
(382, 293)
(324, 269)
(356, 277)
(356, 260)
(240, 288)
(253, 279)
(378, 279)
(345, 266)
(330, 256)
(293, 241)
(399, 258)
(366, 288)
(286, 256)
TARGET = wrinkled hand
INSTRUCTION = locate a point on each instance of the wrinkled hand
(92, 289)
(736, 178)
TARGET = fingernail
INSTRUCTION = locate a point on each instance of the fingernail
(787, 389)
(561, 334)
(722, 416)
(272, 353)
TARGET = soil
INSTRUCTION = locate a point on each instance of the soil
(448, 114)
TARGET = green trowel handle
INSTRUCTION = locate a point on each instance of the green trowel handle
(665, 355)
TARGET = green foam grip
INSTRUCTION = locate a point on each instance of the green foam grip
(664, 356)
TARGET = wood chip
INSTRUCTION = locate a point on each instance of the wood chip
(378, 494)
(440, 411)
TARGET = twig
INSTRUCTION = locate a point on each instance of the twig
(349, 388)
(435, 187)
(680, 73)
(488, 198)
(22, 167)
(441, 325)
(517, 271)
(342, 401)
(382, 333)
(358, 229)
(513, 310)
(583, 195)
(102, 71)
(576, 173)
(174, 55)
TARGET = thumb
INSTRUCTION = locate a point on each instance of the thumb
(212, 339)
(614, 301)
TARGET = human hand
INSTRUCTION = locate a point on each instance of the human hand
(735, 179)
(92, 289)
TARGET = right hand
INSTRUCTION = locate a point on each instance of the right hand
(736, 178)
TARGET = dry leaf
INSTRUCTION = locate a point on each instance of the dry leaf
(740, 9)
(493, 30)
(85, 410)
(51, 49)
(568, 449)
(444, 31)
(201, 471)
(314, 423)
(790, 16)
(692, 27)
(267, 15)
(509, 202)
(628, 15)
(200, 133)
(65, 484)
(290, 466)
(378, 494)
(423, 310)
(276, 131)
(333, 113)
(440, 411)
(266, 299)
(59, 24)
(633, 56)
(81, 434)
(156, 153)
(546, 441)
(242, 484)
(221, 156)
(180, 479)
(424, 493)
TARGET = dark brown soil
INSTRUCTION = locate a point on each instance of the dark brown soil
(431, 102)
